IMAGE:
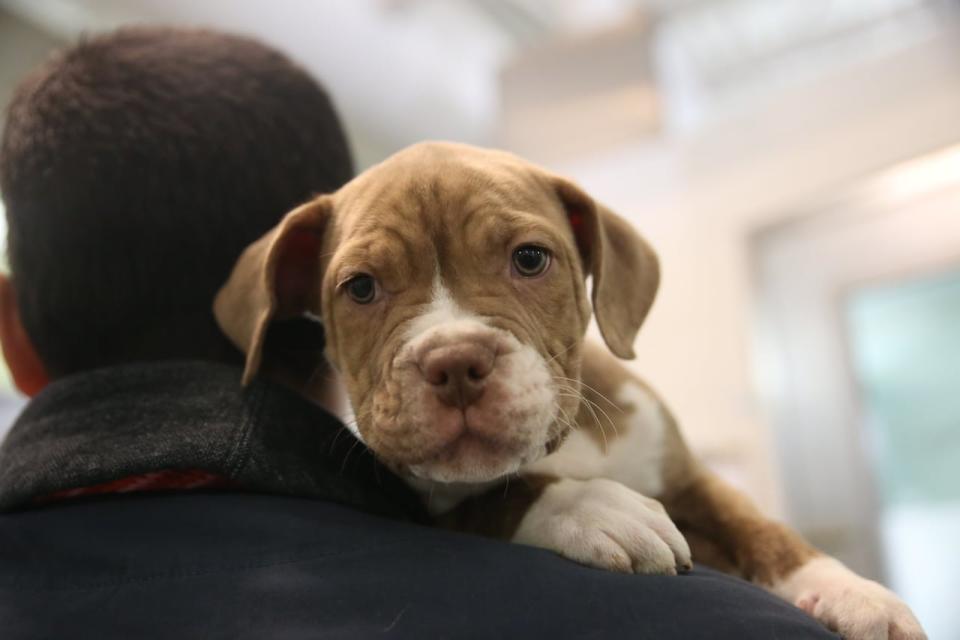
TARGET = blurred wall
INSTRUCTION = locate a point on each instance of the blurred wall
(24, 47)
(699, 198)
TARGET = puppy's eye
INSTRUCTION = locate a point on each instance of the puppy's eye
(361, 288)
(531, 260)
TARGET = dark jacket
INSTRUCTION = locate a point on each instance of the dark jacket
(317, 540)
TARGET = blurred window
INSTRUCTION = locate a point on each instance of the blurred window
(906, 355)
(905, 348)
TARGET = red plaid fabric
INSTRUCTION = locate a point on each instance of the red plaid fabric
(164, 480)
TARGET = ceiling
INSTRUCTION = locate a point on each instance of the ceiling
(406, 70)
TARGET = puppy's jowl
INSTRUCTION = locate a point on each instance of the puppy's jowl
(450, 281)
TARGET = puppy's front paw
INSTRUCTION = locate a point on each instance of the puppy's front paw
(604, 524)
(857, 608)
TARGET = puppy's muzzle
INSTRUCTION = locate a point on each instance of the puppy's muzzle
(458, 373)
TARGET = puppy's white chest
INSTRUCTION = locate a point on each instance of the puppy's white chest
(625, 441)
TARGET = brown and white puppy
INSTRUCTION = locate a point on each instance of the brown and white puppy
(450, 282)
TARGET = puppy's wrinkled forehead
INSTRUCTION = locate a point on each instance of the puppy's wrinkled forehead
(445, 209)
(430, 204)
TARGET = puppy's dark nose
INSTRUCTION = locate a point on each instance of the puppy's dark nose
(458, 373)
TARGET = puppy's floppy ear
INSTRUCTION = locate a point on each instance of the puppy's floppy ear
(625, 269)
(276, 277)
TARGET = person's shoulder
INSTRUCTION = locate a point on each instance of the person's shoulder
(268, 566)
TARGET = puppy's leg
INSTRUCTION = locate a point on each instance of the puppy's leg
(597, 522)
(722, 526)
(602, 523)
(726, 531)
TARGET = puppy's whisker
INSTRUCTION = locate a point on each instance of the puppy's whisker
(596, 418)
(560, 353)
(588, 387)
(566, 416)
(613, 424)
(565, 387)
(575, 396)
(564, 422)
(346, 458)
(345, 427)
(336, 437)
(591, 406)
(317, 371)
(610, 421)
(567, 390)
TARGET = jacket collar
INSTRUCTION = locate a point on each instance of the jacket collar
(103, 425)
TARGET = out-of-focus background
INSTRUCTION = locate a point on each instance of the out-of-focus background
(795, 162)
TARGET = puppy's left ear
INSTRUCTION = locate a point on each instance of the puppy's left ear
(625, 269)
(276, 277)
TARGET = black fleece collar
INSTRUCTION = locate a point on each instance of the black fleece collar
(103, 425)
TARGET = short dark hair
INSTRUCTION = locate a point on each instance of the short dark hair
(135, 167)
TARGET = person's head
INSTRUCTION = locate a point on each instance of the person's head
(135, 167)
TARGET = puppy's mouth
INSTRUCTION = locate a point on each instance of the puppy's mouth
(479, 443)
(468, 453)
(468, 406)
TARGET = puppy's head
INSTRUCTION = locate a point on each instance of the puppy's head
(450, 282)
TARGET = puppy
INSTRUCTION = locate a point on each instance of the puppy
(450, 282)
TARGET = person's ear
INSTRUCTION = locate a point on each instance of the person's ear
(26, 368)
(625, 269)
(276, 277)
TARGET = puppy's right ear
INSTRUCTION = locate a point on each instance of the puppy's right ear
(276, 277)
